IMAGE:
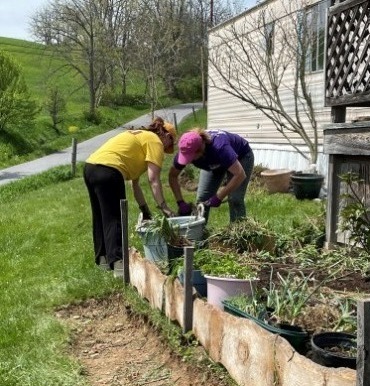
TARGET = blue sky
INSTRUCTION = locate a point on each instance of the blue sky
(15, 16)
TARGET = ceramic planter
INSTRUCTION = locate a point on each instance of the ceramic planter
(221, 288)
(277, 180)
(307, 185)
(331, 349)
(295, 335)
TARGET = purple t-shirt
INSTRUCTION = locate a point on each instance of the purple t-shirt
(221, 153)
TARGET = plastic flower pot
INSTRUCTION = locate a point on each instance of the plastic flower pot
(198, 280)
(191, 227)
(155, 247)
(295, 335)
(221, 288)
(307, 185)
(334, 349)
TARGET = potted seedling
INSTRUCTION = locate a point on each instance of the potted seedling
(169, 235)
(276, 308)
(227, 275)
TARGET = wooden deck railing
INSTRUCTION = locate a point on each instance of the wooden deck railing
(347, 77)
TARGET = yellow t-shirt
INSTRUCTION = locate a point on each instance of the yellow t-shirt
(129, 153)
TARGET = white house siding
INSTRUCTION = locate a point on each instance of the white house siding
(270, 147)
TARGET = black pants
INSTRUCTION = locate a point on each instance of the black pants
(106, 187)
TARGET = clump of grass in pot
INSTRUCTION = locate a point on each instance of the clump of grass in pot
(245, 235)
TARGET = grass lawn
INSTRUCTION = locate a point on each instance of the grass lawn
(47, 260)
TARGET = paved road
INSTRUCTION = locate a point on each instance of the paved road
(84, 149)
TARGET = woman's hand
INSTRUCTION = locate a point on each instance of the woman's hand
(166, 210)
(185, 209)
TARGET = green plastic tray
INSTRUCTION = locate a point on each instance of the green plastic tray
(294, 335)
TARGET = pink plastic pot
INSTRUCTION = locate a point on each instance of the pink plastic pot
(221, 288)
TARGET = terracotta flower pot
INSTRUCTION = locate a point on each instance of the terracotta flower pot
(277, 180)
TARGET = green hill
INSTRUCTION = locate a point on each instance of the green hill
(42, 70)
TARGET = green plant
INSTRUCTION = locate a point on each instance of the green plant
(288, 298)
(283, 302)
(245, 235)
(355, 215)
(224, 264)
(159, 225)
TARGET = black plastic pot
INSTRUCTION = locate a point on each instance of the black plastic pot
(174, 253)
(198, 280)
(324, 345)
(307, 185)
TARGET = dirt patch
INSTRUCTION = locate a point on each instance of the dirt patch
(116, 348)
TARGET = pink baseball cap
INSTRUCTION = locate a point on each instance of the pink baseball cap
(189, 144)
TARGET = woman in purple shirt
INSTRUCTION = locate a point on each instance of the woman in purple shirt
(217, 153)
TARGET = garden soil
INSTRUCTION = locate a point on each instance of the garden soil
(115, 347)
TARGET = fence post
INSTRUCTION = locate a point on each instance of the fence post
(188, 289)
(125, 251)
(74, 157)
(194, 114)
(175, 120)
(363, 342)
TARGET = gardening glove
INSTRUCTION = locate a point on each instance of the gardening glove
(214, 202)
(185, 209)
(146, 212)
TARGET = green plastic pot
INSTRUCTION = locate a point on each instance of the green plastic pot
(295, 335)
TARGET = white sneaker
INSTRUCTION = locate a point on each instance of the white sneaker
(103, 264)
(118, 269)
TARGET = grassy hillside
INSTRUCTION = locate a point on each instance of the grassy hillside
(43, 70)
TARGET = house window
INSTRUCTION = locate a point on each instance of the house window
(316, 23)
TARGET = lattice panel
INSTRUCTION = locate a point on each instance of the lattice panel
(348, 54)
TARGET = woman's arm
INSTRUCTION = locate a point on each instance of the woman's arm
(238, 177)
(140, 199)
(173, 179)
(138, 193)
(154, 173)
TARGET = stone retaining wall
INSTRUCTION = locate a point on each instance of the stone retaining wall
(251, 355)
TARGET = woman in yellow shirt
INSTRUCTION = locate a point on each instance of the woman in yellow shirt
(122, 158)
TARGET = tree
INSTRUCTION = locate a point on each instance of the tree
(17, 109)
(77, 30)
(264, 57)
(100, 39)
(155, 45)
(56, 106)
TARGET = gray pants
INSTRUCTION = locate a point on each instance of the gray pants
(210, 181)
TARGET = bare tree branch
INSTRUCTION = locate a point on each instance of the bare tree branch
(262, 59)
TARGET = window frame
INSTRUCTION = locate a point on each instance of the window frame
(316, 19)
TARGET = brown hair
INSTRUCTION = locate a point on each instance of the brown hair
(157, 126)
(204, 135)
